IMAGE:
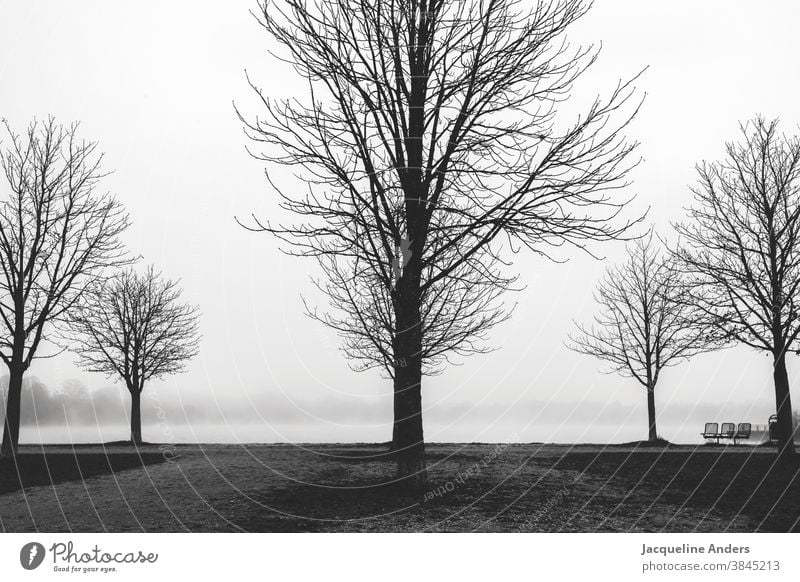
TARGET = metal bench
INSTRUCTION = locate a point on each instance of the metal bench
(729, 430)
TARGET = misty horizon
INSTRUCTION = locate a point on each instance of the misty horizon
(70, 413)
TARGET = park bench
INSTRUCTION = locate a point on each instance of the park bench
(729, 430)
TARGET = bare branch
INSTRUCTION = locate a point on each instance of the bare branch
(433, 125)
(58, 235)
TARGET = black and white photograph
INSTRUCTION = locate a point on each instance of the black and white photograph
(527, 268)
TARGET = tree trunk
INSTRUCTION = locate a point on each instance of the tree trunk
(651, 413)
(11, 425)
(783, 407)
(409, 444)
(136, 418)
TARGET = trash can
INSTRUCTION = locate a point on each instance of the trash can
(773, 428)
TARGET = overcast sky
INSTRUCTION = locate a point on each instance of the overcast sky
(154, 83)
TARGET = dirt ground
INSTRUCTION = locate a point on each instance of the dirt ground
(473, 487)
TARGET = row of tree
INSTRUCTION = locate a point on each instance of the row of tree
(433, 144)
(733, 277)
(66, 279)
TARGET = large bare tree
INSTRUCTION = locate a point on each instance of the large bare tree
(135, 328)
(429, 144)
(58, 234)
(645, 323)
(741, 250)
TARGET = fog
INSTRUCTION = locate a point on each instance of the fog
(155, 83)
(72, 413)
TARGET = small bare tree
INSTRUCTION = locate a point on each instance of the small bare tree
(644, 324)
(134, 327)
(57, 236)
(741, 250)
(429, 143)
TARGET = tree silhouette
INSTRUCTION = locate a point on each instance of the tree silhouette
(57, 236)
(741, 250)
(431, 140)
(645, 323)
(134, 327)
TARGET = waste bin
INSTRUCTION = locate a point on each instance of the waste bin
(773, 428)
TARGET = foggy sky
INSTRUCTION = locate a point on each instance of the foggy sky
(154, 83)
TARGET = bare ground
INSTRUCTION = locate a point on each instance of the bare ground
(474, 487)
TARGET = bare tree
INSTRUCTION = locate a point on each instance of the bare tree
(430, 145)
(741, 250)
(645, 323)
(57, 235)
(134, 327)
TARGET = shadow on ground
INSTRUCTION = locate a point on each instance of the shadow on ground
(475, 487)
(33, 470)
